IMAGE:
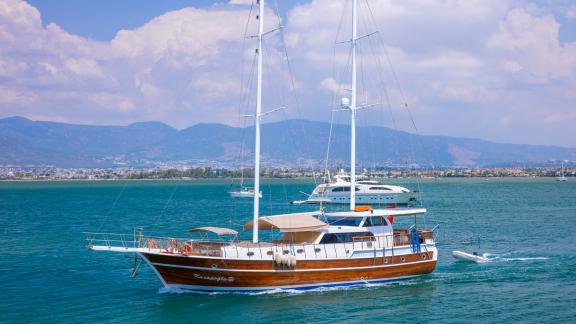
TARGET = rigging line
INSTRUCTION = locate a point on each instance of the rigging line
(269, 53)
(165, 207)
(334, 94)
(242, 86)
(243, 107)
(113, 206)
(243, 123)
(364, 118)
(384, 95)
(404, 99)
(363, 62)
(379, 80)
(339, 90)
(333, 136)
(292, 86)
(268, 56)
(395, 77)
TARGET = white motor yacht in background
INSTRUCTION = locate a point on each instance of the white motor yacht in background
(368, 191)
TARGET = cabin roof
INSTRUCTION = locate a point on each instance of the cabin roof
(299, 222)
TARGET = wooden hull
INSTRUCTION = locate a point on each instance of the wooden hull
(214, 274)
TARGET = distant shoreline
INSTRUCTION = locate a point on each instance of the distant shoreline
(265, 178)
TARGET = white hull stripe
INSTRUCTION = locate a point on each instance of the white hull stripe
(398, 251)
(193, 288)
(296, 270)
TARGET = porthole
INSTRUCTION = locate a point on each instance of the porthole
(424, 256)
(269, 253)
(403, 259)
(300, 251)
(385, 260)
(250, 254)
(286, 251)
(317, 250)
(214, 266)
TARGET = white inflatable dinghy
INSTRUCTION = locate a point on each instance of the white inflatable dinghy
(469, 257)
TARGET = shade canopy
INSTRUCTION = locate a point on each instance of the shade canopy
(380, 212)
(289, 223)
(215, 230)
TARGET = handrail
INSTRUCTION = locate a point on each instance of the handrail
(259, 251)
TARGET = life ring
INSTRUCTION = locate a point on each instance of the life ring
(186, 249)
(152, 244)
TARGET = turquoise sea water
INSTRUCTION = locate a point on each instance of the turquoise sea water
(528, 227)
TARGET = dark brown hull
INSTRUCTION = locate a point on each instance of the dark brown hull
(231, 275)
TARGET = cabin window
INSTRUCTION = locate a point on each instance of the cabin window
(375, 221)
(329, 238)
(379, 188)
(343, 189)
(342, 221)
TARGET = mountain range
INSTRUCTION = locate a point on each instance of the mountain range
(285, 143)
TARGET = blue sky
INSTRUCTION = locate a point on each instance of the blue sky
(101, 19)
(501, 70)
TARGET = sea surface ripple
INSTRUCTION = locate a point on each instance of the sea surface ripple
(527, 229)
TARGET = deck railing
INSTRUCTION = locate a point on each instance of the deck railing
(382, 245)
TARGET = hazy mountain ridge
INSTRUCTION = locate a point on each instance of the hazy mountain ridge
(290, 142)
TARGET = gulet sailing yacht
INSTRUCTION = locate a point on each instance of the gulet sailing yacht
(317, 249)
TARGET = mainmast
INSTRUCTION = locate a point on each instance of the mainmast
(257, 125)
(353, 113)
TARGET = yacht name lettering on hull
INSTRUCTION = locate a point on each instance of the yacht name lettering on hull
(201, 277)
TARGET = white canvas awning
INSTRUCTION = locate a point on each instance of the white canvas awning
(287, 223)
(215, 230)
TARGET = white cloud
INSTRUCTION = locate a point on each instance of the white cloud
(511, 66)
(477, 59)
(144, 73)
(534, 43)
(331, 85)
(241, 2)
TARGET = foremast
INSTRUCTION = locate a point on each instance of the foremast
(353, 112)
(257, 118)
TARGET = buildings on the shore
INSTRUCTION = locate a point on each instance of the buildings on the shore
(182, 172)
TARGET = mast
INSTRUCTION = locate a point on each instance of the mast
(353, 113)
(257, 126)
